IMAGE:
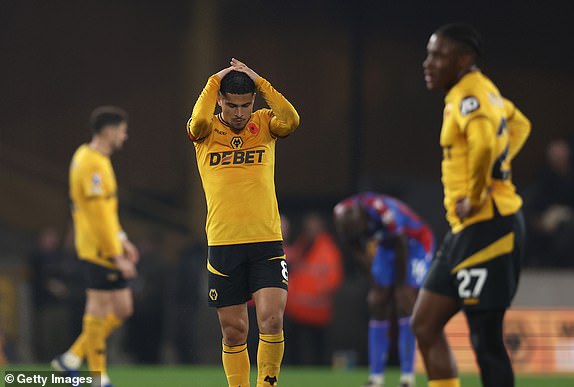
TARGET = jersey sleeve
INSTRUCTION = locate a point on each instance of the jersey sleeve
(284, 119)
(200, 123)
(387, 222)
(468, 107)
(101, 216)
(393, 222)
(106, 228)
(519, 128)
(481, 138)
(92, 182)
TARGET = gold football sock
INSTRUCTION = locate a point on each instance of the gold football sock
(454, 382)
(79, 346)
(236, 364)
(111, 323)
(94, 329)
(269, 358)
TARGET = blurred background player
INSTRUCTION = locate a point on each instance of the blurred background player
(478, 265)
(109, 258)
(235, 153)
(396, 247)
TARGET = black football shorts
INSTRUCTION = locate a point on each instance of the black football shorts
(103, 278)
(480, 265)
(235, 272)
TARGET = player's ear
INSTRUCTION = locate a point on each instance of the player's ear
(220, 99)
(253, 98)
(465, 60)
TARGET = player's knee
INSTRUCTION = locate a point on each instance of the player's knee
(271, 323)
(122, 308)
(377, 301)
(486, 332)
(422, 329)
(235, 334)
(373, 300)
(477, 343)
(487, 347)
(405, 300)
(125, 312)
(491, 358)
(417, 326)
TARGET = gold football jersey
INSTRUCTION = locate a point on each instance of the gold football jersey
(237, 169)
(95, 207)
(481, 133)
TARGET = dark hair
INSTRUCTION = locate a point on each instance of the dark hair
(464, 34)
(237, 82)
(106, 115)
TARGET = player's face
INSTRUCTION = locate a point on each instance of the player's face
(236, 108)
(118, 134)
(443, 65)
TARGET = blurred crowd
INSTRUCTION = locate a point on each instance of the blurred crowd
(549, 210)
(166, 294)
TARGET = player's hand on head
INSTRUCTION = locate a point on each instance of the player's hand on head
(224, 72)
(240, 66)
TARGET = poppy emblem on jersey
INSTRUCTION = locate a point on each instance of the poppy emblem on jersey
(236, 142)
(213, 294)
(253, 129)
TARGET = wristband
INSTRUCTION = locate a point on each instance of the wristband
(122, 236)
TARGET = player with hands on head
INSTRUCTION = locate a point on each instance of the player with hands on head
(477, 267)
(235, 152)
(395, 246)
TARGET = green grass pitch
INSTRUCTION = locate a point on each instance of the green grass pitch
(213, 376)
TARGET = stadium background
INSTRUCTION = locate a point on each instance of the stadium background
(352, 69)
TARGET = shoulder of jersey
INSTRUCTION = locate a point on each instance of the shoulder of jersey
(471, 97)
(259, 122)
(82, 156)
(90, 160)
(262, 113)
(468, 105)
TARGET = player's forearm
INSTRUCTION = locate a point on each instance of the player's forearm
(519, 128)
(110, 242)
(286, 118)
(481, 140)
(199, 125)
(105, 227)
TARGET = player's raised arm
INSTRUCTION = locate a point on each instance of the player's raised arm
(285, 118)
(518, 128)
(199, 125)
